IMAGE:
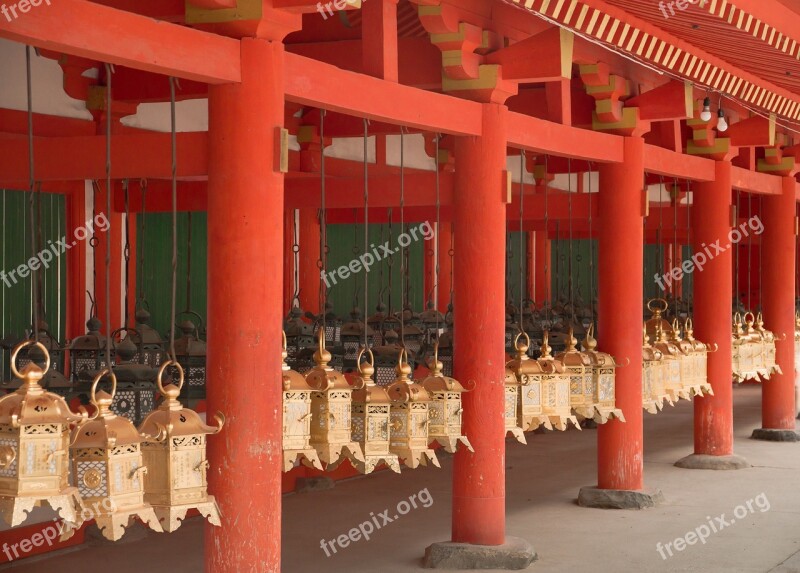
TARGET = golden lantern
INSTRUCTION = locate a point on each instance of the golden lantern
(699, 354)
(445, 406)
(331, 411)
(604, 386)
(34, 447)
(653, 377)
(674, 362)
(745, 352)
(512, 412)
(657, 323)
(174, 449)
(766, 338)
(371, 414)
(694, 376)
(296, 418)
(578, 366)
(409, 414)
(108, 468)
(555, 389)
(527, 389)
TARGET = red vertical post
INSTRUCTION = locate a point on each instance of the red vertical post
(245, 271)
(288, 260)
(76, 263)
(309, 280)
(778, 395)
(379, 43)
(713, 301)
(620, 447)
(479, 478)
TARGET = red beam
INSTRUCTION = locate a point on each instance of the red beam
(96, 32)
(662, 161)
(755, 182)
(313, 83)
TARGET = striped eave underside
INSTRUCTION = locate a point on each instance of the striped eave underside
(610, 30)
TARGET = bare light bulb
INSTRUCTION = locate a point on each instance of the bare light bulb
(722, 123)
(705, 115)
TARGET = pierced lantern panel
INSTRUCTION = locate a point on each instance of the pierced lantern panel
(296, 419)
(445, 407)
(604, 376)
(555, 390)
(654, 375)
(150, 345)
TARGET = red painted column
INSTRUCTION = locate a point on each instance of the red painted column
(288, 260)
(620, 463)
(479, 478)
(309, 230)
(379, 44)
(245, 283)
(713, 300)
(778, 396)
(77, 301)
(446, 243)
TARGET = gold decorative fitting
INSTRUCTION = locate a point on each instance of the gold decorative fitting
(174, 449)
(445, 407)
(108, 466)
(371, 408)
(36, 423)
(297, 448)
(410, 417)
(331, 411)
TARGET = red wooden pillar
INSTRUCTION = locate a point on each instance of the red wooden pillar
(77, 258)
(245, 270)
(620, 463)
(778, 395)
(713, 300)
(479, 478)
(446, 244)
(309, 280)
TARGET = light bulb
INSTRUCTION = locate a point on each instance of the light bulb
(722, 124)
(705, 115)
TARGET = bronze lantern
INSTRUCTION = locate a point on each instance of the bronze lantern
(555, 390)
(299, 336)
(108, 468)
(34, 447)
(653, 377)
(352, 336)
(604, 372)
(190, 352)
(331, 411)
(766, 338)
(371, 417)
(445, 407)
(432, 323)
(512, 411)
(578, 366)
(174, 449)
(674, 362)
(528, 376)
(386, 358)
(745, 352)
(148, 341)
(296, 419)
(410, 418)
(699, 354)
(87, 352)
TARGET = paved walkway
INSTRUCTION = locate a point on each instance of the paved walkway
(543, 481)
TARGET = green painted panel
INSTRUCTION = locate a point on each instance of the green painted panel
(16, 292)
(583, 257)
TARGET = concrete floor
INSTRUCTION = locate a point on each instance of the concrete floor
(543, 481)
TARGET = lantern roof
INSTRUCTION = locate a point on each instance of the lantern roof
(292, 379)
(403, 389)
(172, 420)
(92, 340)
(572, 356)
(32, 404)
(106, 429)
(189, 344)
(596, 357)
(323, 377)
(436, 381)
(367, 392)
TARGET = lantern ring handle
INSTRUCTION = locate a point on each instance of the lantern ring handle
(285, 344)
(161, 374)
(516, 341)
(361, 353)
(403, 352)
(96, 381)
(714, 344)
(749, 322)
(627, 363)
(24, 344)
(664, 303)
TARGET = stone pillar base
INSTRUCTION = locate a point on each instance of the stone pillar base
(592, 496)
(706, 462)
(514, 554)
(768, 435)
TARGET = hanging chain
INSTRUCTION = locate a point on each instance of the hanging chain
(366, 230)
(689, 205)
(675, 258)
(141, 240)
(355, 255)
(749, 255)
(660, 232)
(569, 206)
(31, 190)
(189, 261)
(591, 248)
(323, 229)
(760, 259)
(174, 145)
(109, 72)
(438, 236)
(548, 286)
(403, 262)
(521, 231)
(126, 252)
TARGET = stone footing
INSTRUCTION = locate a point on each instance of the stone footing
(706, 462)
(768, 435)
(592, 496)
(513, 555)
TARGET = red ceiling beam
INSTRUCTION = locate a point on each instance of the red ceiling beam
(97, 32)
(662, 161)
(755, 182)
(317, 84)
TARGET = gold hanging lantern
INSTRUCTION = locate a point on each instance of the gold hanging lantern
(657, 323)
(296, 418)
(700, 352)
(174, 449)
(34, 447)
(673, 361)
(108, 468)
(555, 389)
(578, 367)
(527, 390)
(604, 386)
(512, 412)
(409, 414)
(445, 407)
(766, 338)
(654, 372)
(331, 411)
(694, 369)
(745, 352)
(371, 414)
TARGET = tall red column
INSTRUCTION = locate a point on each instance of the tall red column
(620, 464)
(778, 395)
(245, 272)
(713, 300)
(479, 478)
(288, 260)
(310, 280)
